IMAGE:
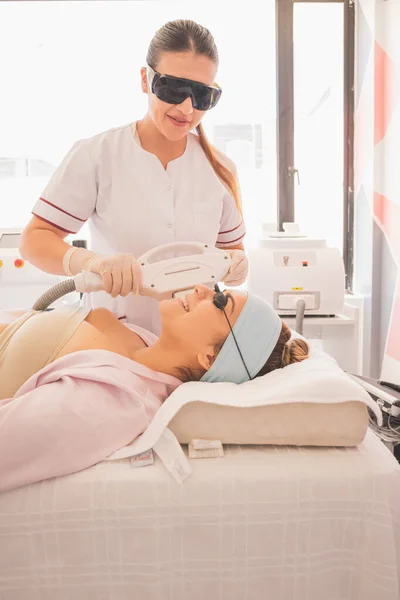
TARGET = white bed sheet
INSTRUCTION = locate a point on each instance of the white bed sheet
(262, 522)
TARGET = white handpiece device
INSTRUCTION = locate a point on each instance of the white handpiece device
(170, 269)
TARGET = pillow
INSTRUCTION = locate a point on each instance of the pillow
(312, 403)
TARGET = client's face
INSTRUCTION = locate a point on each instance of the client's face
(196, 323)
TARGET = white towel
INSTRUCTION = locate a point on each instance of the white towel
(318, 379)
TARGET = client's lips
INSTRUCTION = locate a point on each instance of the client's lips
(183, 304)
(188, 299)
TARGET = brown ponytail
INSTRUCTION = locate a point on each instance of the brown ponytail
(222, 172)
(294, 351)
(286, 352)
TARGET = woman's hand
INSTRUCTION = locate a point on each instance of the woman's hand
(237, 273)
(121, 273)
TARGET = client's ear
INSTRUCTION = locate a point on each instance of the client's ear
(206, 359)
(143, 76)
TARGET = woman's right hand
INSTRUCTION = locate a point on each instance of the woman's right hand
(121, 273)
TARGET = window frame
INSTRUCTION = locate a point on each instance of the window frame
(284, 15)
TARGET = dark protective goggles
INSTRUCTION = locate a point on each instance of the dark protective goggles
(175, 90)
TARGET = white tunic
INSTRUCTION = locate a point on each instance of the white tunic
(133, 205)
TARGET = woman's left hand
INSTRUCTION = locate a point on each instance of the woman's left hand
(237, 273)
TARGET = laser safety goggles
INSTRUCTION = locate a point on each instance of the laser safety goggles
(175, 90)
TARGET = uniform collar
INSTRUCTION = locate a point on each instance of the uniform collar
(133, 129)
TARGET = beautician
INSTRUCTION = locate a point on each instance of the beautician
(152, 182)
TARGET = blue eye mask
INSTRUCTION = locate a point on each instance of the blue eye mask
(257, 330)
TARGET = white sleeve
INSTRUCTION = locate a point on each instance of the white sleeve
(69, 198)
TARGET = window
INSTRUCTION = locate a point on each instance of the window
(73, 71)
(8, 167)
(315, 53)
(319, 119)
(39, 168)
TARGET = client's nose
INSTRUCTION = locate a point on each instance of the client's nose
(202, 292)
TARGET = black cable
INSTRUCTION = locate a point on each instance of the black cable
(237, 346)
(220, 301)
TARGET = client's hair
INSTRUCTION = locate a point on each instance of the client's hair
(286, 352)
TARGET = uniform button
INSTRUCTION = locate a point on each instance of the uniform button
(169, 188)
(170, 225)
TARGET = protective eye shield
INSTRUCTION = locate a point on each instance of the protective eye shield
(175, 90)
(220, 299)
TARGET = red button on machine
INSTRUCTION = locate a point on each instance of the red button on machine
(18, 262)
